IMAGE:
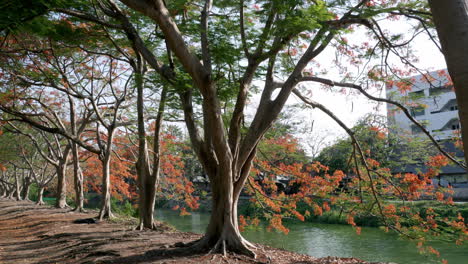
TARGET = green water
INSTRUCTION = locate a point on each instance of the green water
(321, 240)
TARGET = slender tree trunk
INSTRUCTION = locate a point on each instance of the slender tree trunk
(451, 21)
(61, 198)
(12, 192)
(147, 194)
(61, 168)
(105, 211)
(142, 165)
(25, 192)
(26, 186)
(78, 180)
(2, 190)
(18, 185)
(148, 179)
(77, 173)
(40, 195)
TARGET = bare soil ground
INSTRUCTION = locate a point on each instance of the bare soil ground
(42, 234)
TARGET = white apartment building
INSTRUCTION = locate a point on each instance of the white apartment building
(434, 105)
(431, 103)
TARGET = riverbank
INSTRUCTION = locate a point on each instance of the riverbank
(42, 234)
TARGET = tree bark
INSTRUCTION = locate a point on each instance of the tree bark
(451, 21)
(105, 211)
(223, 233)
(2, 190)
(18, 185)
(61, 168)
(147, 178)
(77, 173)
(61, 196)
(11, 193)
(26, 186)
(146, 183)
(78, 180)
(40, 195)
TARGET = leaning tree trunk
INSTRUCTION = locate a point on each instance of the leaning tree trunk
(451, 21)
(40, 195)
(78, 180)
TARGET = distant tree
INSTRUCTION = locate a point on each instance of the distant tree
(40, 173)
(392, 150)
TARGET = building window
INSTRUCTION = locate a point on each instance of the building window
(454, 108)
(440, 90)
(417, 111)
(455, 126)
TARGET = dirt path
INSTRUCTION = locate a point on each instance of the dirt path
(41, 234)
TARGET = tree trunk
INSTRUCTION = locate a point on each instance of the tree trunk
(26, 185)
(146, 190)
(148, 179)
(223, 232)
(11, 193)
(61, 168)
(61, 196)
(40, 195)
(147, 194)
(78, 180)
(3, 190)
(77, 173)
(25, 192)
(105, 211)
(451, 21)
(18, 185)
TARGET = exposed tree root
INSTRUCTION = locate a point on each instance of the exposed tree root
(188, 244)
(141, 227)
(62, 206)
(105, 214)
(223, 246)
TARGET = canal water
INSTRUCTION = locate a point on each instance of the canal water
(321, 240)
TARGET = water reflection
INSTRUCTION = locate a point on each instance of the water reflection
(321, 240)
